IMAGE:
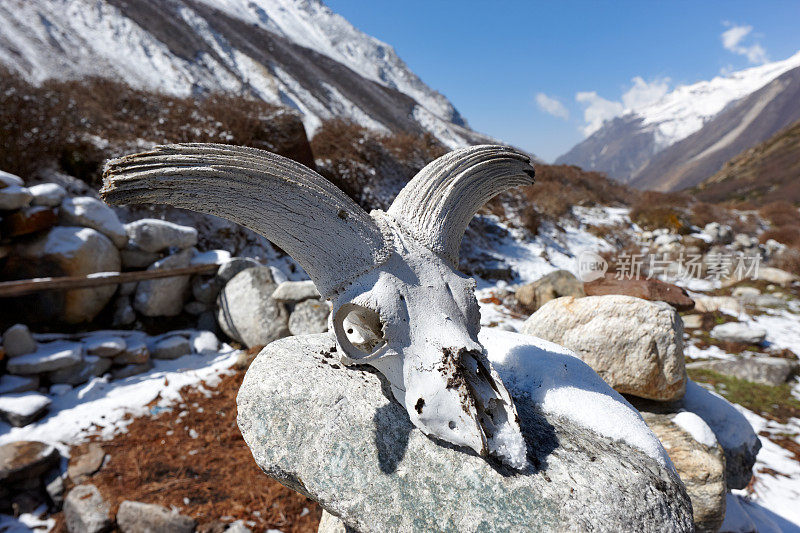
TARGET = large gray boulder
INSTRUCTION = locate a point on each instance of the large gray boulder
(85, 511)
(17, 340)
(337, 435)
(92, 213)
(554, 285)
(247, 313)
(138, 517)
(739, 332)
(635, 345)
(164, 296)
(759, 369)
(153, 235)
(65, 251)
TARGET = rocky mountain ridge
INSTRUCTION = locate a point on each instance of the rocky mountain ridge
(637, 146)
(295, 53)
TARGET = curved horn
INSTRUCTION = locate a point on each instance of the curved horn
(327, 233)
(438, 203)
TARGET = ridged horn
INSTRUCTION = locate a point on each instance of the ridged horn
(438, 203)
(327, 233)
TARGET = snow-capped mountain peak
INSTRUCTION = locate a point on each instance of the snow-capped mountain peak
(296, 53)
(646, 143)
(312, 24)
(683, 111)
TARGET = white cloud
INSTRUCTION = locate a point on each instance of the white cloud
(644, 93)
(732, 40)
(551, 106)
(597, 110)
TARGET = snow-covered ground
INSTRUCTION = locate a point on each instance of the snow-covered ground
(102, 407)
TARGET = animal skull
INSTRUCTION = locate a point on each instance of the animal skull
(399, 304)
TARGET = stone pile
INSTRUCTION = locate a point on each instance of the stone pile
(51, 364)
(636, 346)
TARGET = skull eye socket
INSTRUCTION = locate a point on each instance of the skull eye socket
(359, 331)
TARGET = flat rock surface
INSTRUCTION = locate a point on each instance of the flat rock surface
(646, 289)
(24, 459)
(85, 511)
(137, 517)
(759, 369)
(50, 356)
(334, 434)
(739, 332)
(20, 409)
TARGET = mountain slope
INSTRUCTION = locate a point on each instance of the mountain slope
(765, 173)
(741, 125)
(624, 146)
(290, 52)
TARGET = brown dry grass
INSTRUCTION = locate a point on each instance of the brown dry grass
(157, 461)
(58, 123)
(781, 214)
(371, 167)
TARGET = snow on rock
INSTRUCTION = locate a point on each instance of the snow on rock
(20, 409)
(48, 357)
(696, 427)
(47, 194)
(550, 374)
(732, 430)
(211, 257)
(153, 235)
(104, 346)
(14, 197)
(90, 212)
(10, 384)
(100, 406)
(7, 180)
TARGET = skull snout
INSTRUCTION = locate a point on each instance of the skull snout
(440, 401)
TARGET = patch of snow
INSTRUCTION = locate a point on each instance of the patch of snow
(777, 473)
(565, 386)
(687, 108)
(211, 257)
(100, 406)
(696, 427)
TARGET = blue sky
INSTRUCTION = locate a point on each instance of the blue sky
(494, 59)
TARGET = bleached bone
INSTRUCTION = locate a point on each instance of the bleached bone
(399, 304)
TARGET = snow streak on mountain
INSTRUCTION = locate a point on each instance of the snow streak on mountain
(624, 147)
(296, 53)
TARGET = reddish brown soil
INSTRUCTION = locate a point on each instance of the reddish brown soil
(212, 478)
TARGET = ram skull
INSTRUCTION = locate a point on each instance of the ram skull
(399, 302)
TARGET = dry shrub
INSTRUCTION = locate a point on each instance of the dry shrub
(557, 189)
(703, 213)
(77, 124)
(33, 126)
(788, 235)
(788, 260)
(781, 214)
(371, 167)
(655, 210)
